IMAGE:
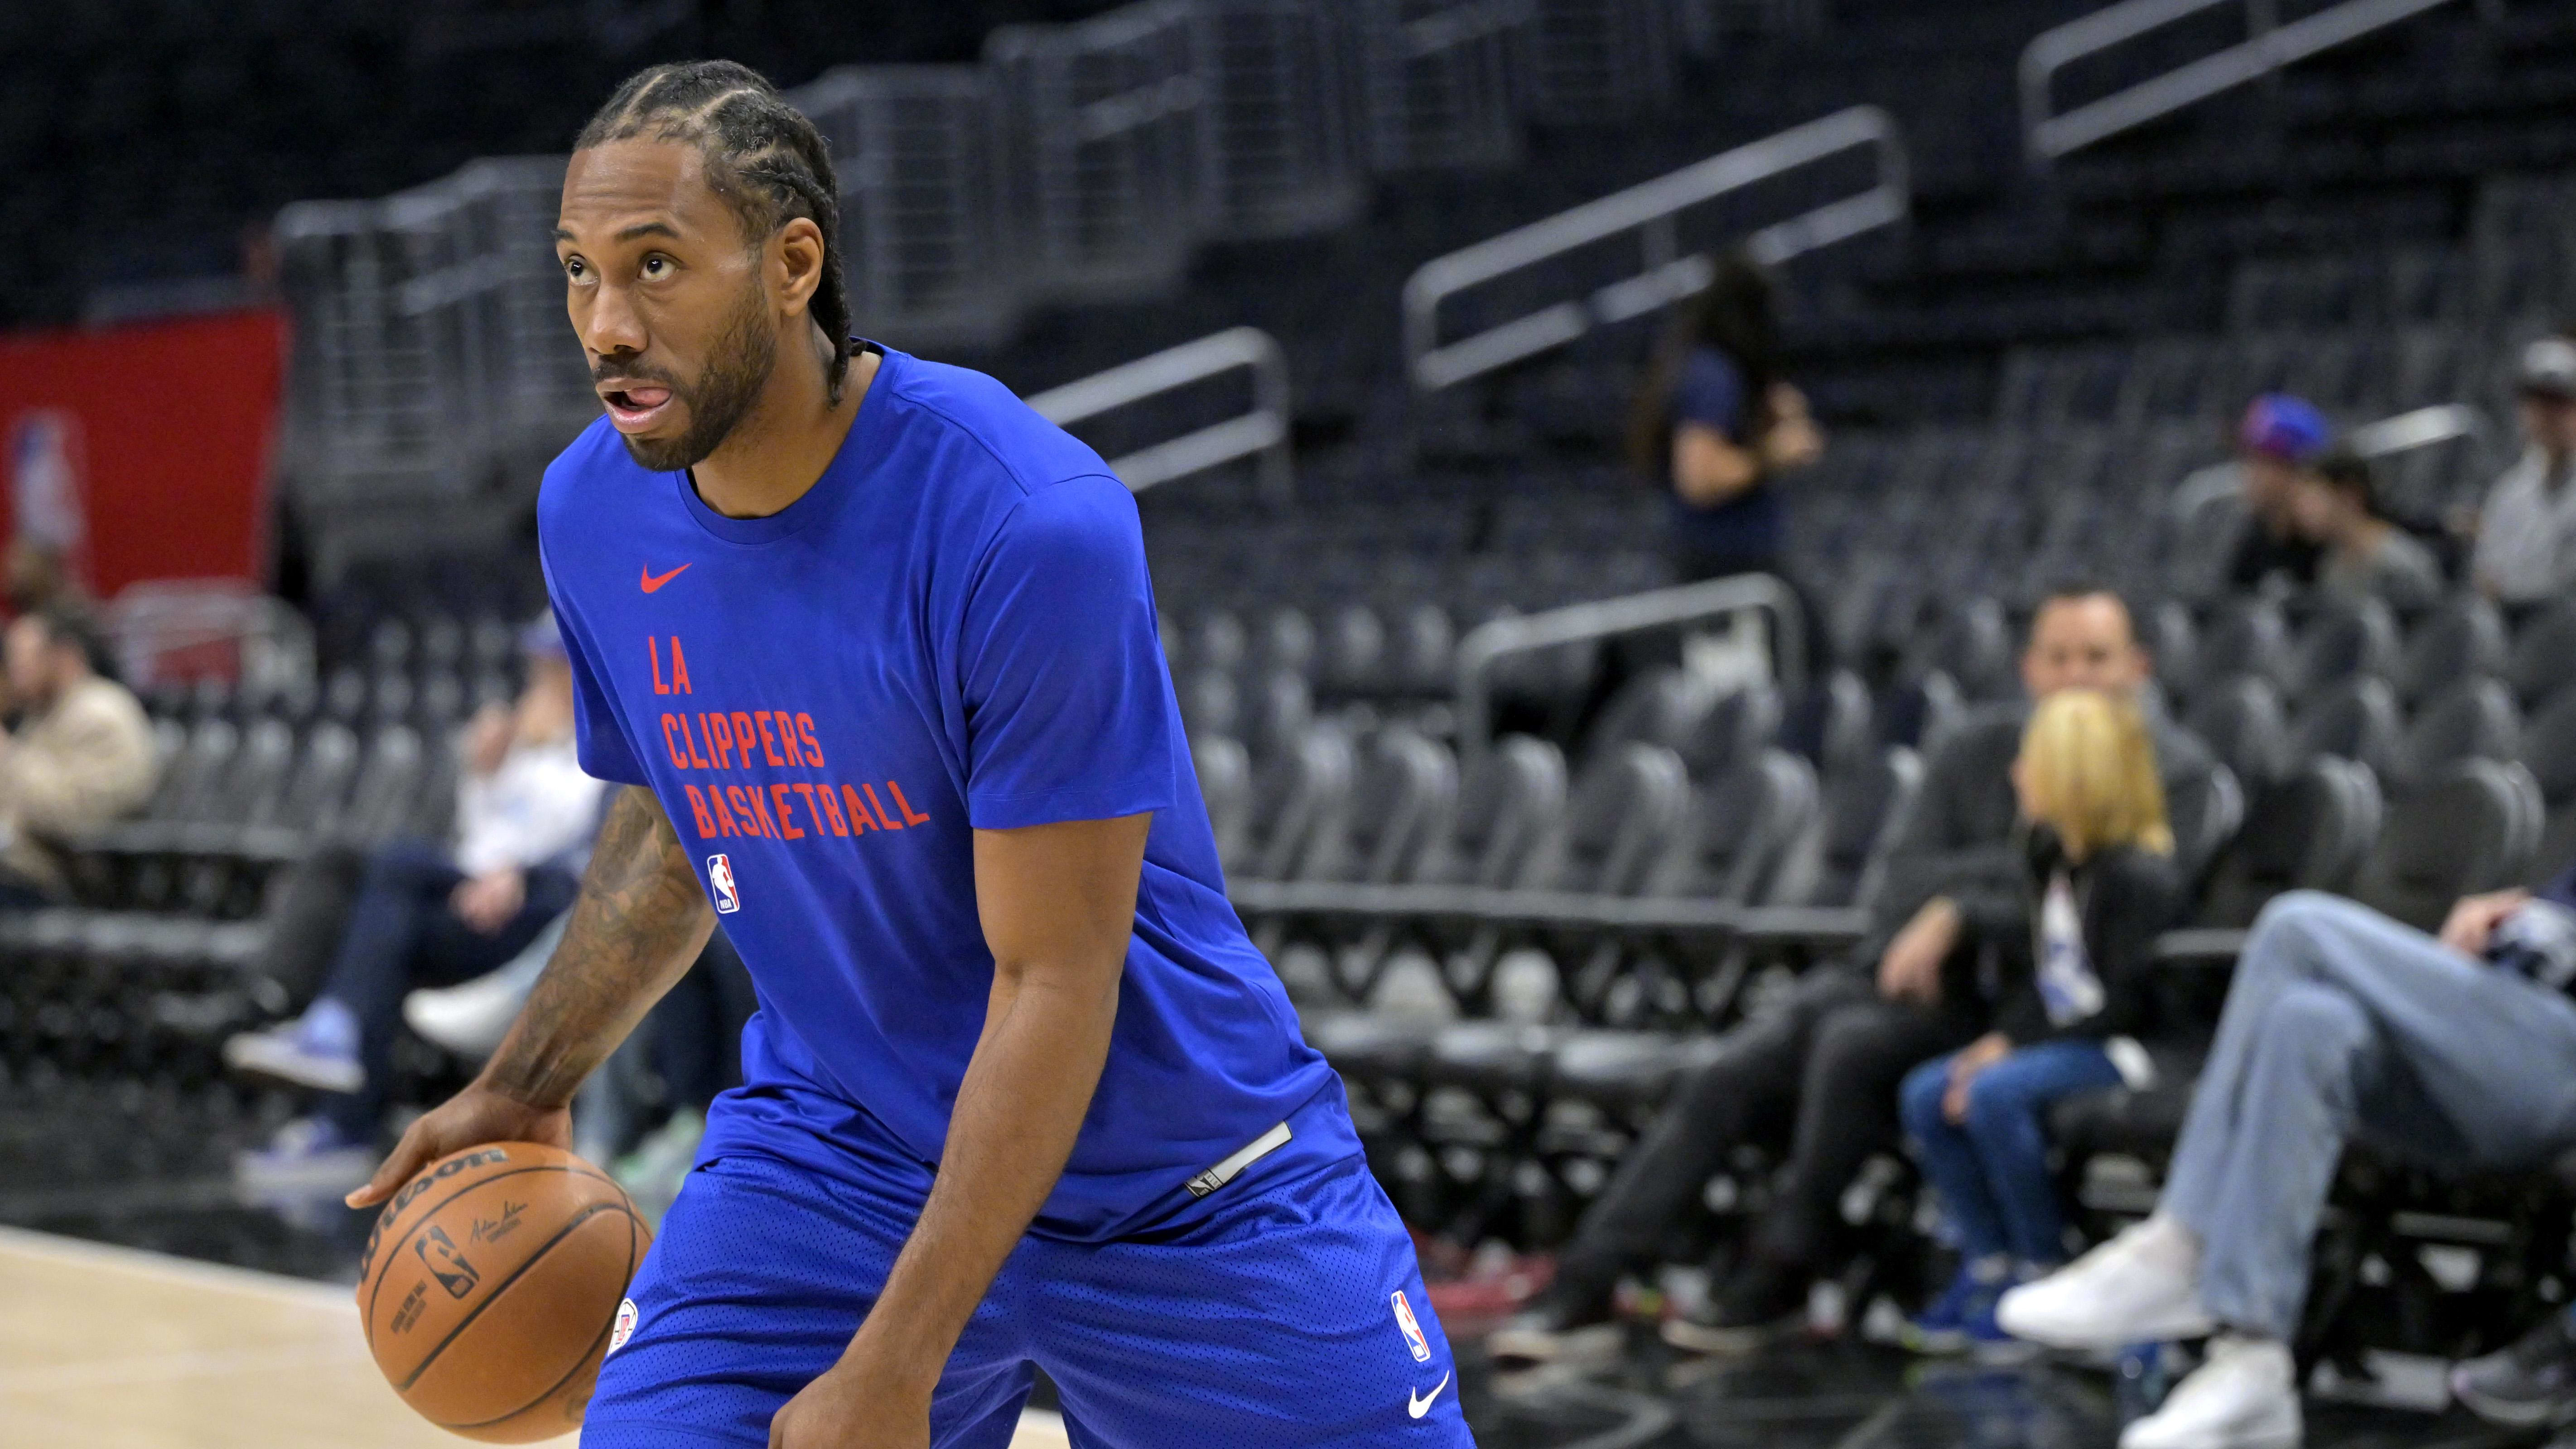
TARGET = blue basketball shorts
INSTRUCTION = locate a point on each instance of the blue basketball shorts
(1292, 1317)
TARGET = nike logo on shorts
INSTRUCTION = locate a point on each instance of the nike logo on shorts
(1417, 1405)
(654, 581)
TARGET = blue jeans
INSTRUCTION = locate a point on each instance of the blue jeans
(401, 934)
(2344, 1024)
(1992, 1169)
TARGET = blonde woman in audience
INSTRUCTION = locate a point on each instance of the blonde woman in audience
(2076, 954)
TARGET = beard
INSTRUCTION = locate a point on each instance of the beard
(726, 389)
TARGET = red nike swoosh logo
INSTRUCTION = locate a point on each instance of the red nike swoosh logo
(654, 581)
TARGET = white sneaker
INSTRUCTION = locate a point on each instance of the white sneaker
(2136, 1288)
(2242, 1398)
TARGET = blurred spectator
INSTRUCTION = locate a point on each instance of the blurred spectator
(1819, 1072)
(2453, 1053)
(36, 576)
(1716, 425)
(430, 915)
(2075, 957)
(2277, 445)
(2365, 555)
(82, 754)
(2526, 550)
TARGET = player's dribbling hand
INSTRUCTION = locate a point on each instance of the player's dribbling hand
(847, 1408)
(469, 1119)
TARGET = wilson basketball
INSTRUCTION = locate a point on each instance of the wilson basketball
(491, 1284)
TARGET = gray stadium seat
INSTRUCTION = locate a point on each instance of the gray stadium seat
(1735, 728)
(1742, 827)
(2205, 820)
(1211, 702)
(2346, 638)
(2241, 722)
(2356, 720)
(1659, 706)
(1300, 803)
(1406, 787)
(2474, 719)
(1865, 809)
(1618, 823)
(1277, 711)
(2463, 637)
(2309, 831)
(2249, 638)
(2544, 654)
(1224, 769)
(1509, 799)
(2469, 826)
(2549, 752)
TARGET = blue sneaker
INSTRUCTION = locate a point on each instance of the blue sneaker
(1985, 1340)
(1950, 1324)
(308, 1156)
(318, 1050)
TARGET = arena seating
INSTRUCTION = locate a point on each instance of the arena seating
(1512, 949)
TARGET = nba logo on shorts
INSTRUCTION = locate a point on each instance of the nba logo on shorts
(1412, 1327)
(720, 879)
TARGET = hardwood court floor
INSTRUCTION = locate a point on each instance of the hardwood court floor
(110, 1348)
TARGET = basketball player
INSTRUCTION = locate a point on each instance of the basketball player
(873, 647)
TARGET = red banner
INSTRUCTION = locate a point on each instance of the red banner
(143, 452)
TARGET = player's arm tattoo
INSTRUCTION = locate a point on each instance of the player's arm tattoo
(638, 924)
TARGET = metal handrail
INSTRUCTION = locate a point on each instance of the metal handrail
(1647, 209)
(2421, 428)
(1498, 639)
(1262, 432)
(2268, 48)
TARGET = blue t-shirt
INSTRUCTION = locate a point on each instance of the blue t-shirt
(952, 630)
(1746, 530)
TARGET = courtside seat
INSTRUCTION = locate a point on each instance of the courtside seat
(1494, 1058)
(1623, 814)
(1865, 809)
(2307, 832)
(2131, 1122)
(1374, 1047)
(1627, 1072)
(1742, 828)
(2471, 826)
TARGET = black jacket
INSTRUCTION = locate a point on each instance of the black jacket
(1959, 842)
(2125, 899)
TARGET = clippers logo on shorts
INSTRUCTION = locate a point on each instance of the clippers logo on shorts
(625, 1328)
(720, 880)
(1412, 1327)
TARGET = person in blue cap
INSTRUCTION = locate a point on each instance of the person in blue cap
(434, 913)
(2277, 447)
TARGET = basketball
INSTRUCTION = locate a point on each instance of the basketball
(490, 1285)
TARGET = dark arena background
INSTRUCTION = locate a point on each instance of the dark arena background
(1546, 792)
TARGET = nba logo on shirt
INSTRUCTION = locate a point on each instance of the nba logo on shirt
(720, 879)
(1412, 1327)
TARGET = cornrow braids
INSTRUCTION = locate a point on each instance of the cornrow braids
(761, 154)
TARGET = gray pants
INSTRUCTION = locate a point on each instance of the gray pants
(2342, 1023)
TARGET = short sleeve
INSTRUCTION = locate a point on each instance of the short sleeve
(1710, 392)
(599, 737)
(1067, 701)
